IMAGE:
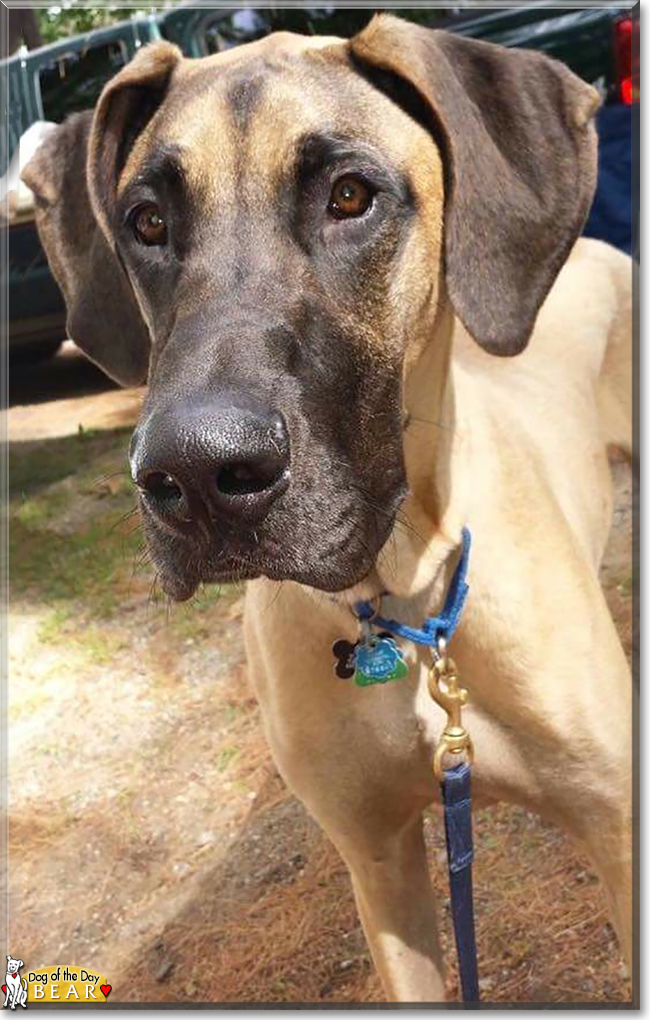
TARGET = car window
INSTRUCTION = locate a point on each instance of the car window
(73, 81)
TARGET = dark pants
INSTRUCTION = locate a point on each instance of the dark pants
(610, 218)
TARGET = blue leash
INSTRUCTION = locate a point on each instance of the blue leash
(456, 797)
(456, 782)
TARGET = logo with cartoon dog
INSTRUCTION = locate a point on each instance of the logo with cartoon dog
(53, 984)
(15, 987)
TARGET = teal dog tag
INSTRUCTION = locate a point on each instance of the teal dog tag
(378, 660)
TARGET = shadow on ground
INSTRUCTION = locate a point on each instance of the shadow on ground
(67, 374)
(274, 921)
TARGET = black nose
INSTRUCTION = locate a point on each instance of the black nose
(228, 459)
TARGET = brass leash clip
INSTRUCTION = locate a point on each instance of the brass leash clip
(446, 691)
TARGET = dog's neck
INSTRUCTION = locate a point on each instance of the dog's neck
(417, 561)
(429, 524)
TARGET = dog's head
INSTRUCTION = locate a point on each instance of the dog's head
(271, 234)
(13, 966)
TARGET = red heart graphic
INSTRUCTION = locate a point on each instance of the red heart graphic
(4, 989)
(105, 989)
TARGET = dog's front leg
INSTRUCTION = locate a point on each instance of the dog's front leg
(603, 828)
(398, 912)
(354, 757)
(379, 836)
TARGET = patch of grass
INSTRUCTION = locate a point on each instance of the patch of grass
(37, 511)
(78, 555)
(35, 465)
(193, 619)
(29, 707)
(186, 624)
(85, 435)
(626, 585)
(94, 482)
(208, 596)
(83, 566)
(225, 757)
(232, 712)
(98, 646)
(51, 629)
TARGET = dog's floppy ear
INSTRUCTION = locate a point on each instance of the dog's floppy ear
(519, 149)
(103, 317)
(73, 175)
(125, 107)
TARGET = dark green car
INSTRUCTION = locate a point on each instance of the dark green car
(49, 83)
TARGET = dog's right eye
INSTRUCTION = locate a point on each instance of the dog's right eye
(149, 226)
(351, 197)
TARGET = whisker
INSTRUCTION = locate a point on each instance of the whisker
(123, 519)
(429, 421)
(398, 519)
(102, 479)
(276, 595)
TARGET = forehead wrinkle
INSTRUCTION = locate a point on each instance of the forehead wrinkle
(203, 130)
(163, 163)
(284, 113)
(196, 131)
(243, 96)
(324, 97)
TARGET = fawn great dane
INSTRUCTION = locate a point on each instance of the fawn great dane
(350, 271)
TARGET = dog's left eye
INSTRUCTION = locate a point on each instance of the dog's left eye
(350, 198)
(149, 226)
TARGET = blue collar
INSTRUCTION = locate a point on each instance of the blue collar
(434, 627)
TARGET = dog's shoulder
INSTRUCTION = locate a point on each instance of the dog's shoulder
(592, 292)
(598, 272)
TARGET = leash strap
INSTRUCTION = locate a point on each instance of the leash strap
(444, 688)
(434, 627)
(456, 797)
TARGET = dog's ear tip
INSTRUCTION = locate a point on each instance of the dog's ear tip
(503, 337)
(589, 107)
(507, 349)
(381, 18)
(503, 345)
(362, 43)
(159, 52)
(152, 63)
(37, 174)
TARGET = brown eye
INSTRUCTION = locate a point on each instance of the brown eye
(149, 226)
(350, 197)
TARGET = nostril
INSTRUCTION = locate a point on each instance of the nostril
(242, 479)
(162, 488)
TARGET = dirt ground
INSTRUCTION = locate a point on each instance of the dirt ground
(150, 836)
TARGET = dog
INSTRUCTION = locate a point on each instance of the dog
(16, 988)
(351, 272)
